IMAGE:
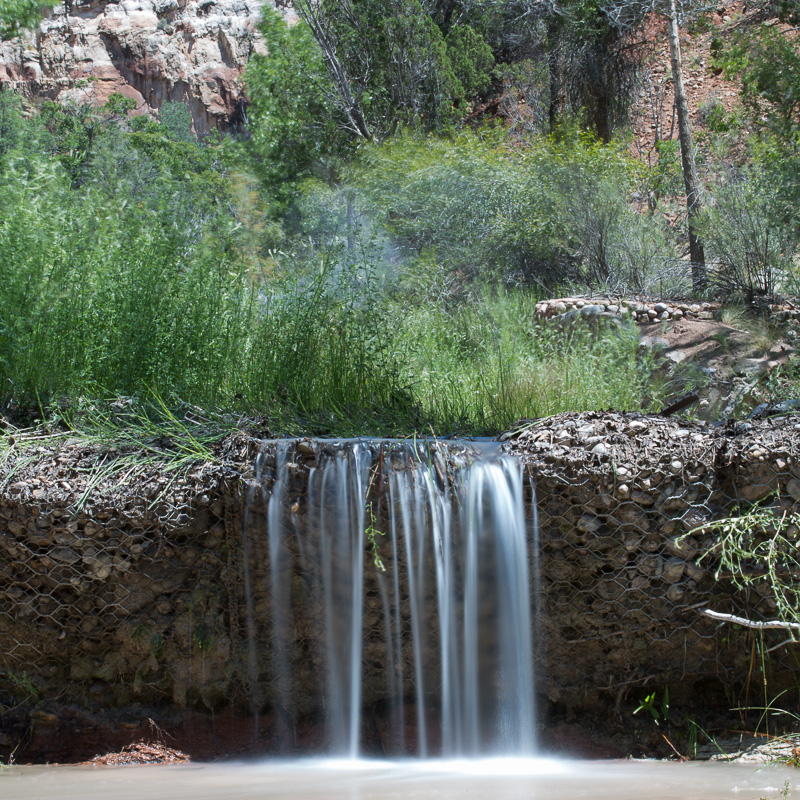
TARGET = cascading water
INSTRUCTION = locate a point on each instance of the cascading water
(399, 582)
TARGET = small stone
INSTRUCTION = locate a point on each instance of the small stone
(588, 524)
(599, 449)
(188, 555)
(44, 718)
(623, 491)
(694, 572)
(673, 570)
(793, 488)
(676, 466)
(561, 307)
(661, 308)
(591, 312)
(64, 555)
(675, 593)
(211, 540)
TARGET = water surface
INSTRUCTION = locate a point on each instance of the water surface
(487, 779)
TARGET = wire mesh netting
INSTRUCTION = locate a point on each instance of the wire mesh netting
(629, 557)
(133, 588)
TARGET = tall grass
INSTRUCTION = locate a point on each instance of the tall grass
(115, 302)
(138, 281)
(100, 303)
(109, 298)
(481, 365)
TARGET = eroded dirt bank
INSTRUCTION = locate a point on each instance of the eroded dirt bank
(123, 611)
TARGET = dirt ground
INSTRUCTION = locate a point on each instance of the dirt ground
(729, 368)
(713, 345)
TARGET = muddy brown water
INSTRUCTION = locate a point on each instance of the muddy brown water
(492, 779)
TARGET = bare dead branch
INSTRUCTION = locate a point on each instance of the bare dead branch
(763, 625)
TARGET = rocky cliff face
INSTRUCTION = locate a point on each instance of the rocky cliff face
(155, 51)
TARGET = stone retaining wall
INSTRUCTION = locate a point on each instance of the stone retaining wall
(644, 311)
(623, 581)
(127, 589)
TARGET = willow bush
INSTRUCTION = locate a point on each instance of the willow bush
(554, 212)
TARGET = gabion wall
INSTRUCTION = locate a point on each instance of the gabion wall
(129, 586)
(623, 584)
(116, 581)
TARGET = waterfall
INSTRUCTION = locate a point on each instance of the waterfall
(398, 598)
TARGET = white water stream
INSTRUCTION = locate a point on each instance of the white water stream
(453, 632)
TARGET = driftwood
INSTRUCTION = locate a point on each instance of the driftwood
(765, 625)
(769, 624)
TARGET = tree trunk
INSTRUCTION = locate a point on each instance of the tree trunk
(693, 204)
(555, 61)
(308, 11)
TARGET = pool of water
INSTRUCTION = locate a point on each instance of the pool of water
(490, 779)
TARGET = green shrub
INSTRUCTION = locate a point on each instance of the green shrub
(751, 241)
(134, 271)
(554, 212)
(482, 364)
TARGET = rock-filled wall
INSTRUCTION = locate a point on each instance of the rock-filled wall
(569, 309)
(108, 576)
(154, 51)
(123, 586)
(622, 501)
